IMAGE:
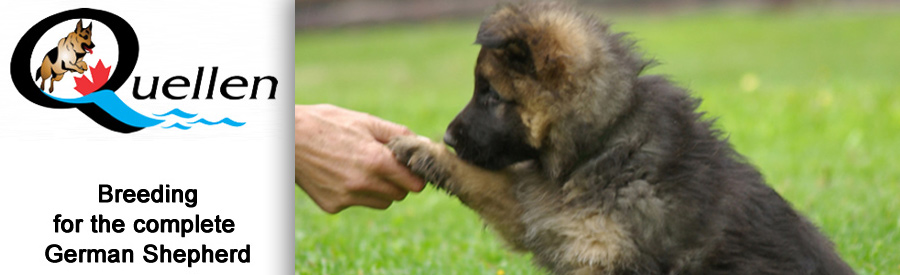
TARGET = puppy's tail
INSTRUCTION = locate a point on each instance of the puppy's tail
(37, 75)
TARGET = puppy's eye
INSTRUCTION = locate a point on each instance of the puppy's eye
(493, 97)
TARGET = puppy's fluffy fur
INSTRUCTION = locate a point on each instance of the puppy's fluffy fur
(569, 153)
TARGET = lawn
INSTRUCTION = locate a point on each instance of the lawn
(810, 96)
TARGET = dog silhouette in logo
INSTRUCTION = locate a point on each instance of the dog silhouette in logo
(67, 56)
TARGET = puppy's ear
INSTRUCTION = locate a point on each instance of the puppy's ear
(502, 32)
(90, 26)
(544, 40)
(78, 27)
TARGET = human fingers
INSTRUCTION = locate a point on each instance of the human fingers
(379, 197)
(379, 161)
(370, 201)
(383, 131)
(377, 187)
(382, 164)
(391, 170)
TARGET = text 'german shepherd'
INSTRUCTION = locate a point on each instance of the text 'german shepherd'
(67, 56)
(569, 153)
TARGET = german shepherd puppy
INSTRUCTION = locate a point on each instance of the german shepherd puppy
(570, 153)
(67, 56)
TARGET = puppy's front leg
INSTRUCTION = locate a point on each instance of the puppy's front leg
(489, 193)
(74, 67)
(82, 65)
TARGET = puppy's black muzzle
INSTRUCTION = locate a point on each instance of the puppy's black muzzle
(449, 139)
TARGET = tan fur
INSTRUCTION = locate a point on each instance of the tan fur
(566, 50)
(593, 238)
(494, 199)
(605, 171)
(591, 242)
(520, 202)
(67, 58)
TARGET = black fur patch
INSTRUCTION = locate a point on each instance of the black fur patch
(647, 159)
(53, 54)
(515, 50)
(489, 132)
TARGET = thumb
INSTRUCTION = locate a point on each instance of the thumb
(384, 131)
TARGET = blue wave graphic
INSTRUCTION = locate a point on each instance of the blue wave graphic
(113, 105)
(177, 125)
(177, 112)
(226, 120)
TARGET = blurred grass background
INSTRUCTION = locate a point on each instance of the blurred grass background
(810, 96)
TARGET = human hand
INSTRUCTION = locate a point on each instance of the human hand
(341, 160)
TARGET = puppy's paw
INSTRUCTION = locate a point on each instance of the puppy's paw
(422, 157)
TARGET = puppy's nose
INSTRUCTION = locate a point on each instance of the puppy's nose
(449, 140)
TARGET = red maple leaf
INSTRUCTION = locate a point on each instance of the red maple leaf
(100, 75)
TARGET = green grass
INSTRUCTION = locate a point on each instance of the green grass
(809, 96)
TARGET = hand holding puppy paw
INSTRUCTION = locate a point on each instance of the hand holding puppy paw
(422, 157)
(341, 160)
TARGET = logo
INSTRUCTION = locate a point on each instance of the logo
(73, 74)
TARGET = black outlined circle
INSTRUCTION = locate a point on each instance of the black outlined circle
(20, 69)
